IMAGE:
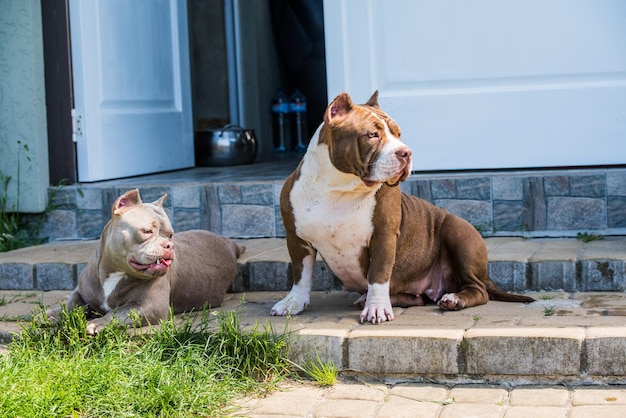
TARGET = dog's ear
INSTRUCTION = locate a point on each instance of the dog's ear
(160, 201)
(373, 101)
(339, 107)
(127, 200)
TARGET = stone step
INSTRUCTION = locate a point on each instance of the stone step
(563, 337)
(516, 264)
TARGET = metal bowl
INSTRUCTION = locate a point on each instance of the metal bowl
(231, 145)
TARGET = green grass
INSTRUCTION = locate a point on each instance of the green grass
(325, 374)
(195, 368)
(587, 237)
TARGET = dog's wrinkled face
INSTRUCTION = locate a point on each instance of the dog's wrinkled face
(364, 141)
(140, 237)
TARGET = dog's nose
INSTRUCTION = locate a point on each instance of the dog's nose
(403, 153)
(168, 245)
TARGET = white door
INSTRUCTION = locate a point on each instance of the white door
(488, 83)
(132, 94)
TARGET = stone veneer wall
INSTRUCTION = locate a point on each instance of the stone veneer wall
(521, 203)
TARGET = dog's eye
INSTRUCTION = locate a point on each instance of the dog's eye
(372, 135)
(146, 231)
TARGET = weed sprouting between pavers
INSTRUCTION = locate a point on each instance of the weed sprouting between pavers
(195, 366)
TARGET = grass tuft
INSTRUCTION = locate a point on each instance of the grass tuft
(195, 367)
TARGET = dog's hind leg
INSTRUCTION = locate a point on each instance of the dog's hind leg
(464, 256)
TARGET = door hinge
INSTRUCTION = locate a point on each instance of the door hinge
(77, 125)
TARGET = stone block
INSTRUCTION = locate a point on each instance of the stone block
(60, 224)
(576, 213)
(324, 279)
(63, 198)
(90, 223)
(616, 183)
(616, 208)
(593, 186)
(153, 193)
(605, 348)
(508, 216)
(17, 276)
(55, 276)
(603, 275)
(507, 188)
(534, 204)
(257, 194)
(387, 349)
(473, 188)
(510, 275)
(524, 351)
(229, 193)
(280, 226)
(245, 221)
(476, 212)
(89, 199)
(269, 275)
(556, 186)
(211, 218)
(186, 197)
(443, 189)
(186, 219)
(553, 275)
(323, 344)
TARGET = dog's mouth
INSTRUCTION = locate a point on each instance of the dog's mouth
(160, 265)
(369, 183)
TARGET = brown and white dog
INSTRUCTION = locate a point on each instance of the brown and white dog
(142, 266)
(395, 249)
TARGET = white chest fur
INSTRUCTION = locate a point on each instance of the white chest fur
(109, 285)
(333, 211)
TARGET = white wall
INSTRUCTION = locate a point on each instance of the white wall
(23, 105)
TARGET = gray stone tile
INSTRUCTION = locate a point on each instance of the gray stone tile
(248, 221)
(55, 276)
(17, 276)
(603, 275)
(508, 216)
(535, 214)
(576, 213)
(473, 189)
(554, 275)
(60, 224)
(186, 219)
(616, 208)
(616, 183)
(210, 213)
(90, 223)
(63, 198)
(507, 188)
(476, 212)
(89, 198)
(509, 275)
(229, 194)
(153, 193)
(186, 197)
(257, 194)
(443, 189)
(588, 186)
(556, 186)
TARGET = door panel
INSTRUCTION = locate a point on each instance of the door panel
(488, 83)
(132, 87)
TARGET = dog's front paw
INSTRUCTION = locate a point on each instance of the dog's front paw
(377, 304)
(95, 326)
(451, 302)
(290, 305)
(377, 313)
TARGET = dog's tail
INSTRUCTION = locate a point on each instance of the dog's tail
(497, 294)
